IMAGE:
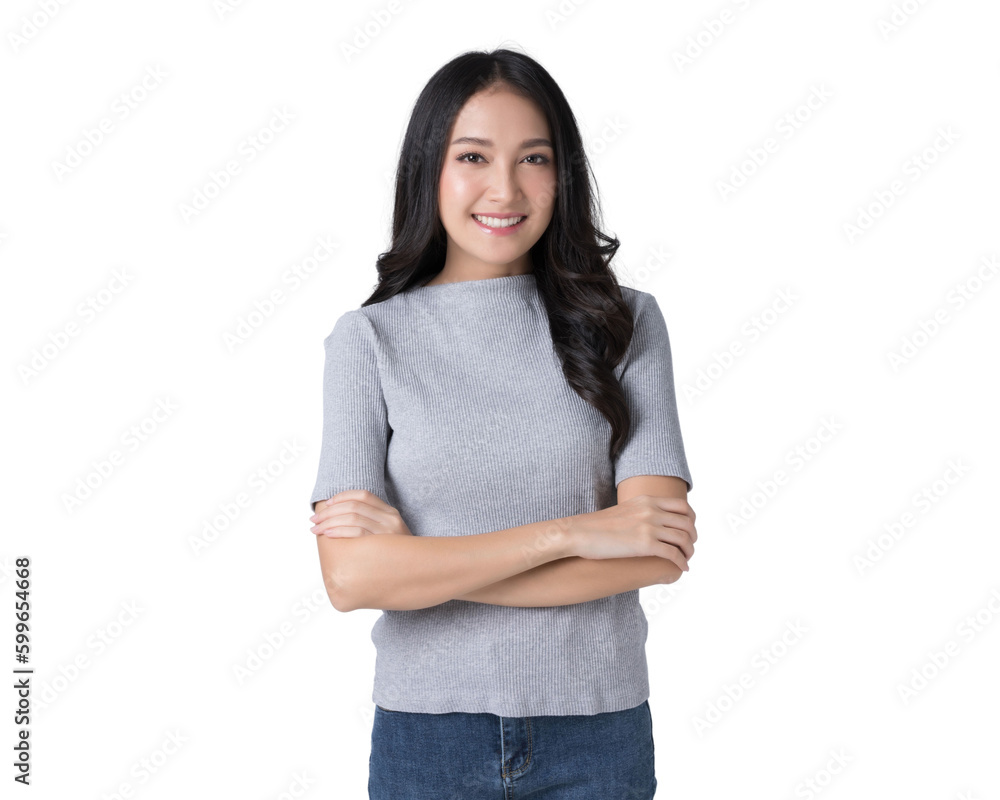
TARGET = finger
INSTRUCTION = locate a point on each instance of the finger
(333, 505)
(680, 522)
(678, 505)
(344, 532)
(362, 495)
(357, 512)
(371, 521)
(677, 530)
(671, 553)
(322, 509)
(680, 540)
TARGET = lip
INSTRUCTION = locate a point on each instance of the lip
(511, 229)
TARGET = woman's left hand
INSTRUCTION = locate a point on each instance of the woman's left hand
(356, 512)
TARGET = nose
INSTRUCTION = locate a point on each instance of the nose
(504, 184)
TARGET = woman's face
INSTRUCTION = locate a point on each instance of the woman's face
(499, 161)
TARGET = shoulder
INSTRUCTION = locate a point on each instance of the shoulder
(353, 336)
(371, 327)
(377, 315)
(646, 312)
(350, 323)
(630, 295)
(641, 303)
(649, 329)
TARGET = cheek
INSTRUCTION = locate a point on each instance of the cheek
(541, 191)
(455, 190)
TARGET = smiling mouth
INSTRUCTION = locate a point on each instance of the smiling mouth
(499, 223)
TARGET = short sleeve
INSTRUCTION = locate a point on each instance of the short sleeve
(355, 421)
(655, 445)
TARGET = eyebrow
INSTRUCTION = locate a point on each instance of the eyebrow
(537, 142)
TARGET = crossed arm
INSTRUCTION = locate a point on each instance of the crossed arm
(577, 580)
(573, 579)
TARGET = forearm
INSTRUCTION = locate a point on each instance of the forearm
(576, 580)
(412, 572)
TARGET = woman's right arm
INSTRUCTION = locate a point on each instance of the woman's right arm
(411, 572)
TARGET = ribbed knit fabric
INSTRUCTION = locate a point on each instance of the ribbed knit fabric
(449, 403)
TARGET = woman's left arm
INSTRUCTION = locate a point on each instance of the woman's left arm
(577, 580)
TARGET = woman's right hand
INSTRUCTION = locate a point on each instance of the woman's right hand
(356, 512)
(641, 526)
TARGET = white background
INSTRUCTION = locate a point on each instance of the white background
(663, 135)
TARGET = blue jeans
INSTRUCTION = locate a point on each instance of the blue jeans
(461, 756)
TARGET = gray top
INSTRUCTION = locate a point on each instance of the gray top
(449, 403)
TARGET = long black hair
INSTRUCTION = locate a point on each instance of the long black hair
(590, 322)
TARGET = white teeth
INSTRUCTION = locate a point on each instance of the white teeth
(494, 222)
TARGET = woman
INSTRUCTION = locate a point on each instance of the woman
(502, 466)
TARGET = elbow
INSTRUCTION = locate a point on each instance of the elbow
(337, 564)
(344, 606)
(349, 575)
(342, 600)
(337, 589)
